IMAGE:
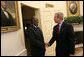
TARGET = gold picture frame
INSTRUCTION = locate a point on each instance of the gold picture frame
(10, 23)
(73, 8)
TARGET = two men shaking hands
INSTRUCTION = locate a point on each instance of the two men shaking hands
(63, 34)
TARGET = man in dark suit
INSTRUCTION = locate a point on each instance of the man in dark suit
(35, 35)
(63, 33)
(6, 18)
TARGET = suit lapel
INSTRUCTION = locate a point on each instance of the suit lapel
(37, 30)
(62, 27)
(56, 28)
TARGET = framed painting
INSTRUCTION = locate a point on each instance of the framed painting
(9, 16)
(73, 8)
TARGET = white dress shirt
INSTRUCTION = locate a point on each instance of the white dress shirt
(60, 25)
(35, 26)
(6, 14)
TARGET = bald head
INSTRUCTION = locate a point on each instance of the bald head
(3, 4)
(34, 20)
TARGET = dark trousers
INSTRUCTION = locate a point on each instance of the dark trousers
(61, 52)
(38, 53)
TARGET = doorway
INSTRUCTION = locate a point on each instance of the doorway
(27, 13)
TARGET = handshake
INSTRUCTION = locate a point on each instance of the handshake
(47, 45)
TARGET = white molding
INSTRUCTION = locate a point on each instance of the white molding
(22, 53)
(79, 45)
(78, 27)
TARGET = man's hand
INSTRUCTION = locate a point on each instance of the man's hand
(47, 45)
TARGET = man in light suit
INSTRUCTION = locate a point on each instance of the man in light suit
(6, 17)
(36, 38)
(63, 34)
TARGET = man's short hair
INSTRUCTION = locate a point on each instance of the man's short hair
(60, 15)
(32, 19)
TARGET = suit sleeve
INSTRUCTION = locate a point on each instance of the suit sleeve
(53, 38)
(34, 41)
(71, 39)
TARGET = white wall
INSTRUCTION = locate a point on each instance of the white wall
(12, 43)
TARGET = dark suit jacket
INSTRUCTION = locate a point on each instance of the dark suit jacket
(65, 42)
(37, 41)
(5, 21)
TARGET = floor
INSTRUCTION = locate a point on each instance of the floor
(79, 51)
